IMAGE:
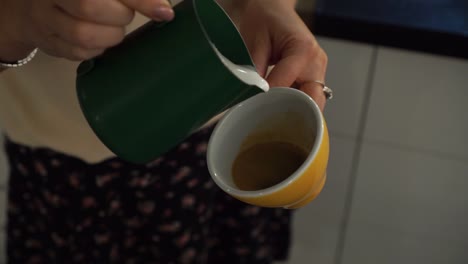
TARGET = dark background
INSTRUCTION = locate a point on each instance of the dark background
(434, 26)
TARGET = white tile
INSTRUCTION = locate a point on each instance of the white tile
(408, 207)
(347, 75)
(301, 253)
(420, 101)
(317, 226)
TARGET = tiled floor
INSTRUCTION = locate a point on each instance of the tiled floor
(420, 102)
(409, 202)
(404, 196)
(408, 207)
(398, 174)
(317, 226)
(348, 73)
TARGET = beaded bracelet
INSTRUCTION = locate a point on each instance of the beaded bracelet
(19, 63)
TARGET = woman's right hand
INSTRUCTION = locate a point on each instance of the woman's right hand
(72, 29)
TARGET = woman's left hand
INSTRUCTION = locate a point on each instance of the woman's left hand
(276, 35)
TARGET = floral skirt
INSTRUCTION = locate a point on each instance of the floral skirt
(64, 210)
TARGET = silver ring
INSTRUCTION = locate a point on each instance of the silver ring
(326, 90)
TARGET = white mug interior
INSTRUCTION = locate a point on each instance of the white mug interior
(281, 114)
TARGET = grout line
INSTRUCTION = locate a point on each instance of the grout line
(342, 135)
(355, 160)
(416, 150)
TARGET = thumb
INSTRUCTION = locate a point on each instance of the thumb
(260, 53)
(288, 68)
(159, 10)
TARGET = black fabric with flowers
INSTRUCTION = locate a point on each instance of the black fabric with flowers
(63, 210)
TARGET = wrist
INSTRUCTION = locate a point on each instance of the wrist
(12, 47)
(11, 52)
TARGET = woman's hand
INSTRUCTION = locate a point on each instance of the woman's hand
(276, 35)
(73, 29)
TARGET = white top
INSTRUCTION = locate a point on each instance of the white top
(39, 107)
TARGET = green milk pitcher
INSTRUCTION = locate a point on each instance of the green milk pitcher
(164, 81)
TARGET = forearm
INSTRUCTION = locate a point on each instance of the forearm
(236, 8)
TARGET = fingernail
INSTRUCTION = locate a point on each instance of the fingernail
(164, 13)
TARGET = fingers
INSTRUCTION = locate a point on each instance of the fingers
(302, 63)
(69, 37)
(315, 91)
(260, 51)
(84, 34)
(286, 71)
(106, 12)
(81, 29)
(60, 48)
(314, 71)
(159, 10)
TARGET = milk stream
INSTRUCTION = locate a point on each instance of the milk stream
(247, 74)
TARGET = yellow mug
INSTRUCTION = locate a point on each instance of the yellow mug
(281, 114)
